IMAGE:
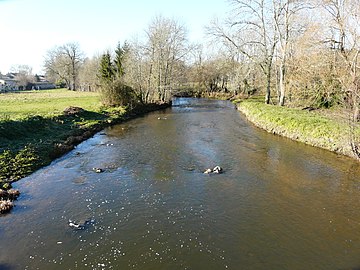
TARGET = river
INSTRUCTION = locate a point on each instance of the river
(278, 205)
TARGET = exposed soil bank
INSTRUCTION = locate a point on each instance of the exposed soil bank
(300, 125)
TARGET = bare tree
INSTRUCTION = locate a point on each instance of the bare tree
(155, 65)
(64, 62)
(345, 41)
(89, 74)
(251, 30)
(287, 28)
(137, 68)
(166, 47)
(24, 76)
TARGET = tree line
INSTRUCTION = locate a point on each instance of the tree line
(146, 70)
(296, 52)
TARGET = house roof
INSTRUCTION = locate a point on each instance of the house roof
(4, 78)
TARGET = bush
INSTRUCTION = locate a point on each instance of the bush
(327, 100)
(116, 93)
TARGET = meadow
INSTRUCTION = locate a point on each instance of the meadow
(45, 103)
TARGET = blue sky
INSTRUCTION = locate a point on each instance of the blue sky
(29, 28)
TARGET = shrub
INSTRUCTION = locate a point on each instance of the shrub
(116, 93)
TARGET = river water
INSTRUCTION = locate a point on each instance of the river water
(278, 205)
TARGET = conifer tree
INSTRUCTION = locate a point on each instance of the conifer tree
(120, 54)
(106, 68)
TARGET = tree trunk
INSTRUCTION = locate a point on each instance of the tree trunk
(356, 114)
(267, 96)
(282, 84)
(149, 83)
(268, 85)
(74, 81)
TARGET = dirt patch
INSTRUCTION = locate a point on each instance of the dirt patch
(72, 110)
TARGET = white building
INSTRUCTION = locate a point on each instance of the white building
(7, 84)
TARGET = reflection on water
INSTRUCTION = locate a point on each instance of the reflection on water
(279, 204)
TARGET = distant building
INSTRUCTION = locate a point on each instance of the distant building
(42, 83)
(8, 82)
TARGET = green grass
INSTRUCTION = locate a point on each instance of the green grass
(311, 127)
(45, 103)
(34, 130)
(36, 117)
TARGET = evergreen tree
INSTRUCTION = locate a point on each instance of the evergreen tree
(106, 68)
(120, 54)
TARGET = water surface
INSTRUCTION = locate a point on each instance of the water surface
(278, 205)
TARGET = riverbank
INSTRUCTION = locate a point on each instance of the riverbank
(153, 192)
(29, 142)
(314, 127)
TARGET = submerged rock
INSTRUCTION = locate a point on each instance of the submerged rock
(81, 225)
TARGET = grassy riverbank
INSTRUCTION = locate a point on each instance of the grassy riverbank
(318, 128)
(34, 129)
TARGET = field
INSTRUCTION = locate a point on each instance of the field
(46, 103)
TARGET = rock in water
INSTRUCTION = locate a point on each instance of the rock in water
(13, 194)
(217, 169)
(75, 225)
(98, 170)
(5, 206)
(81, 225)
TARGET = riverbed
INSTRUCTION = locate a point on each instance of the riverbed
(278, 204)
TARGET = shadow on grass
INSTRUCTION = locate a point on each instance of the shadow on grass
(28, 144)
(15, 134)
